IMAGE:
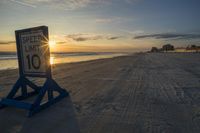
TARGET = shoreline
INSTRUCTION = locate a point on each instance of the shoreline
(68, 59)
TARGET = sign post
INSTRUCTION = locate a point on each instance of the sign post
(34, 61)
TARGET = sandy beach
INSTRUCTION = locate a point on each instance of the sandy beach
(144, 92)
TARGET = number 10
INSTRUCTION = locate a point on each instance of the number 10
(32, 61)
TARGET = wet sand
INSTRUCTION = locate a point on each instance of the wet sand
(146, 92)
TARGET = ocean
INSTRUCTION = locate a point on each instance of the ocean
(8, 60)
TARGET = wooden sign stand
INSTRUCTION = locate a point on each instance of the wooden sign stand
(48, 88)
(22, 84)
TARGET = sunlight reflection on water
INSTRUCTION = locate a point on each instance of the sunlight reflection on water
(55, 59)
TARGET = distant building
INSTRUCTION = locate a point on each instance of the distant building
(167, 47)
(180, 49)
(193, 48)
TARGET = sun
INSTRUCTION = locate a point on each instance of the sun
(52, 44)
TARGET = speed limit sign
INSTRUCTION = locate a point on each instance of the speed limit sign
(33, 51)
(34, 61)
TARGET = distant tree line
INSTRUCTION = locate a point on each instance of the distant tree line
(169, 47)
(193, 47)
(166, 47)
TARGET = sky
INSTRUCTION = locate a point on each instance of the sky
(103, 25)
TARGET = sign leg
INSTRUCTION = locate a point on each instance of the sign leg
(49, 87)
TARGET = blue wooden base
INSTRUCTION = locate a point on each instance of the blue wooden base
(48, 88)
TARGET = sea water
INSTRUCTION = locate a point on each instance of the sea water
(8, 60)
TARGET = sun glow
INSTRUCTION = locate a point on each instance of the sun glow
(51, 60)
(52, 44)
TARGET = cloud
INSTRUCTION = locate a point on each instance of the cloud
(63, 42)
(114, 37)
(169, 36)
(23, 3)
(6, 42)
(83, 37)
(75, 37)
(60, 4)
(108, 20)
(87, 37)
(66, 4)
(136, 32)
(104, 20)
(131, 1)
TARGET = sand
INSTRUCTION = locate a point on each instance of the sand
(146, 92)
